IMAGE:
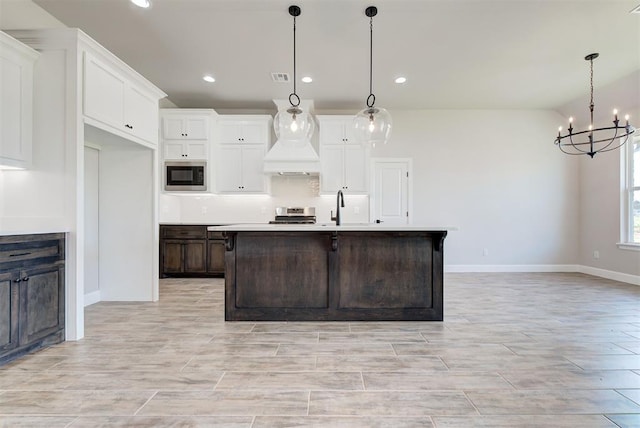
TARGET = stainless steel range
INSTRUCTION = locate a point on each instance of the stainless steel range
(295, 215)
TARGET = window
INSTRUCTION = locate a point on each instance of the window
(631, 203)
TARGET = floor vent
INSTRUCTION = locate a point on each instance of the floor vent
(280, 77)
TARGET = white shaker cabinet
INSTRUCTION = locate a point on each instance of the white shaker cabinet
(16, 102)
(186, 133)
(243, 142)
(240, 169)
(344, 162)
(117, 104)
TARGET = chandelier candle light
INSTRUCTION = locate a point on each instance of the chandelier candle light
(598, 140)
(373, 124)
(293, 125)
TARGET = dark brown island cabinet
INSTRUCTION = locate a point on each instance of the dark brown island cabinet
(190, 251)
(32, 298)
(338, 275)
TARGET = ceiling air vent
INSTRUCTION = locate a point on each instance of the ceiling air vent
(280, 77)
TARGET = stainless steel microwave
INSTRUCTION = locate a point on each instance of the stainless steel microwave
(184, 176)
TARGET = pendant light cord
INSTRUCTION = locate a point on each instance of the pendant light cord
(591, 104)
(371, 99)
(294, 96)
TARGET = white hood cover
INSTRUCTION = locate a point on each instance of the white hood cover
(288, 157)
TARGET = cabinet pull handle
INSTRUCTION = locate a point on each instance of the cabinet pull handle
(19, 254)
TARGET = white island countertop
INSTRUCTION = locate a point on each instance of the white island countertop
(323, 227)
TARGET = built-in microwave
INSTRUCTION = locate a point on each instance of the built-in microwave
(185, 176)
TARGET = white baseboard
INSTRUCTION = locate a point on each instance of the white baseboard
(91, 298)
(510, 268)
(610, 274)
(603, 273)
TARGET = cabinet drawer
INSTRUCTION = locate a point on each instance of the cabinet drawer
(183, 232)
(49, 248)
(215, 235)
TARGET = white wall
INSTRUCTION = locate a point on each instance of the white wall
(495, 175)
(600, 189)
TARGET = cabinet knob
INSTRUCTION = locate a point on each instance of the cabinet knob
(25, 279)
(17, 280)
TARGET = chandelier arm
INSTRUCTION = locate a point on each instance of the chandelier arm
(575, 145)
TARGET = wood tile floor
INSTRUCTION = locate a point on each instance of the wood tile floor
(515, 350)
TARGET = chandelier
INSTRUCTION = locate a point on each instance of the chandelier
(373, 124)
(294, 124)
(594, 140)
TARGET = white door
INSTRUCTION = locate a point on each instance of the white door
(390, 191)
(91, 225)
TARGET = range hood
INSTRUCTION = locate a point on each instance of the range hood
(292, 157)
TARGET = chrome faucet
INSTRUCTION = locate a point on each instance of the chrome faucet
(339, 203)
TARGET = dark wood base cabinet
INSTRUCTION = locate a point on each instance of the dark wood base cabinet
(31, 293)
(190, 251)
(311, 276)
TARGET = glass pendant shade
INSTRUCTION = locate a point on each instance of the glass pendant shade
(372, 126)
(293, 125)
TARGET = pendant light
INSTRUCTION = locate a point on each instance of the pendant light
(372, 125)
(594, 140)
(293, 125)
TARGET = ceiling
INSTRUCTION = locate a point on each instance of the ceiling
(455, 54)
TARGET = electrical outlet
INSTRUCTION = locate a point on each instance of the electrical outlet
(204, 210)
(263, 210)
(356, 210)
(485, 252)
(596, 254)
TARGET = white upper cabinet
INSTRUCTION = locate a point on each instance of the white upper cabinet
(116, 104)
(344, 162)
(243, 142)
(16, 102)
(187, 133)
(245, 129)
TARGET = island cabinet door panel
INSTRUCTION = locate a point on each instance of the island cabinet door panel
(377, 271)
(8, 312)
(287, 271)
(42, 311)
(215, 256)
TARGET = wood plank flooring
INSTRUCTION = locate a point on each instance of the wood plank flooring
(515, 350)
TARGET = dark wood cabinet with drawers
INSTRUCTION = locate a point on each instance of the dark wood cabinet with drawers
(32, 294)
(190, 251)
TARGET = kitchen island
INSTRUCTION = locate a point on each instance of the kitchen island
(284, 272)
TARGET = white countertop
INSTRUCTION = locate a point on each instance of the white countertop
(323, 227)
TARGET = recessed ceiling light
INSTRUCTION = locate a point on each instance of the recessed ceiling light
(307, 79)
(141, 3)
(635, 9)
(400, 79)
(208, 78)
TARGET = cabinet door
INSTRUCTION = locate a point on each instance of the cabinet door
(103, 93)
(41, 302)
(196, 128)
(11, 109)
(172, 257)
(195, 150)
(229, 170)
(8, 311)
(172, 128)
(174, 150)
(332, 132)
(355, 168)
(230, 132)
(253, 177)
(215, 256)
(332, 165)
(195, 256)
(255, 132)
(141, 115)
